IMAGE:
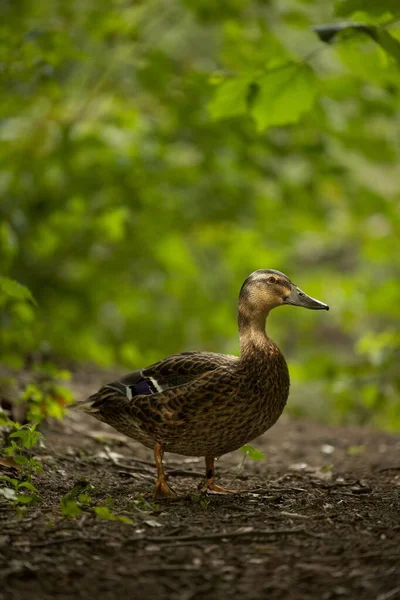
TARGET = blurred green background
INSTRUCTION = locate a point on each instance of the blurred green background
(154, 153)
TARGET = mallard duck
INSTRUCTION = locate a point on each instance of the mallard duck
(203, 403)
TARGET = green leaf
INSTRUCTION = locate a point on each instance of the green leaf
(252, 452)
(28, 486)
(85, 499)
(387, 42)
(328, 33)
(27, 499)
(11, 480)
(326, 468)
(5, 421)
(36, 464)
(21, 460)
(104, 513)
(79, 488)
(124, 519)
(22, 433)
(374, 8)
(70, 508)
(15, 291)
(8, 493)
(231, 98)
(354, 450)
(284, 95)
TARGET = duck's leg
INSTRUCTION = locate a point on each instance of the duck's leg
(162, 489)
(208, 486)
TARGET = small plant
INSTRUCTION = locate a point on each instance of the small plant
(46, 399)
(14, 492)
(78, 501)
(17, 306)
(252, 453)
(74, 501)
(141, 504)
(204, 502)
(70, 508)
(355, 450)
(102, 512)
(22, 440)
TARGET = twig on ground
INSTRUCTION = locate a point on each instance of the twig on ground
(389, 469)
(184, 473)
(293, 515)
(168, 568)
(134, 475)
(63, 540)
(390, 594)
(276, 489)
(230, 535)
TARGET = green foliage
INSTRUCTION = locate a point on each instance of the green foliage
(12, 291)
(102, 512)
(268, 97)
(143, 505)
(13, 491)
(154, 154)
(16, 317)
(21, 440)
(375, 9)
(46, 399)
(74, 501)
(80, 487)
(204, 502)
(274, 104)
(355, 450)
(70, 508)
(388, 43)
(330, 33)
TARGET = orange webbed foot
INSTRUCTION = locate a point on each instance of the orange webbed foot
(209, 487)
(163, 490)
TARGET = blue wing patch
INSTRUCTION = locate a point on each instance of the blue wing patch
(145, 387)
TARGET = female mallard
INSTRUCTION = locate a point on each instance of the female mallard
(207, 404)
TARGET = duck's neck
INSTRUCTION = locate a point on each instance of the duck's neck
(252, 333)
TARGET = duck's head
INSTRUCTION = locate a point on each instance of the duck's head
(266, 289)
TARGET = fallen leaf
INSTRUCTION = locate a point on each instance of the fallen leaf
(9, 463)
(353, 450)
(327, 449)
(152, 523)
(298, 466)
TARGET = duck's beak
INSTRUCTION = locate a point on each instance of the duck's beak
(298, 298)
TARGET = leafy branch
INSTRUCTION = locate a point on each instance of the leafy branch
(281, 94)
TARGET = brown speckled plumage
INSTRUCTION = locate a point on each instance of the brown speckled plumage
(207, 404)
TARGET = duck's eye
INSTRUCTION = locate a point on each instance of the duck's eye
(271, 279)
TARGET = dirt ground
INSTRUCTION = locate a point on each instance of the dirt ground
(319, 519)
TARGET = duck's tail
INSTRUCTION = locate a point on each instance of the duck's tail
(95, 402)
(85, 405)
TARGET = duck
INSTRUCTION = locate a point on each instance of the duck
(204, 403)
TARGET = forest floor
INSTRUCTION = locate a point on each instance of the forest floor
(319, 519)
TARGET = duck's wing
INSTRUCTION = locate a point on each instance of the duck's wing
(171, 372)
(176, 371)
(167, 414)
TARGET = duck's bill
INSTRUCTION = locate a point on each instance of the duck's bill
(298, 298)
